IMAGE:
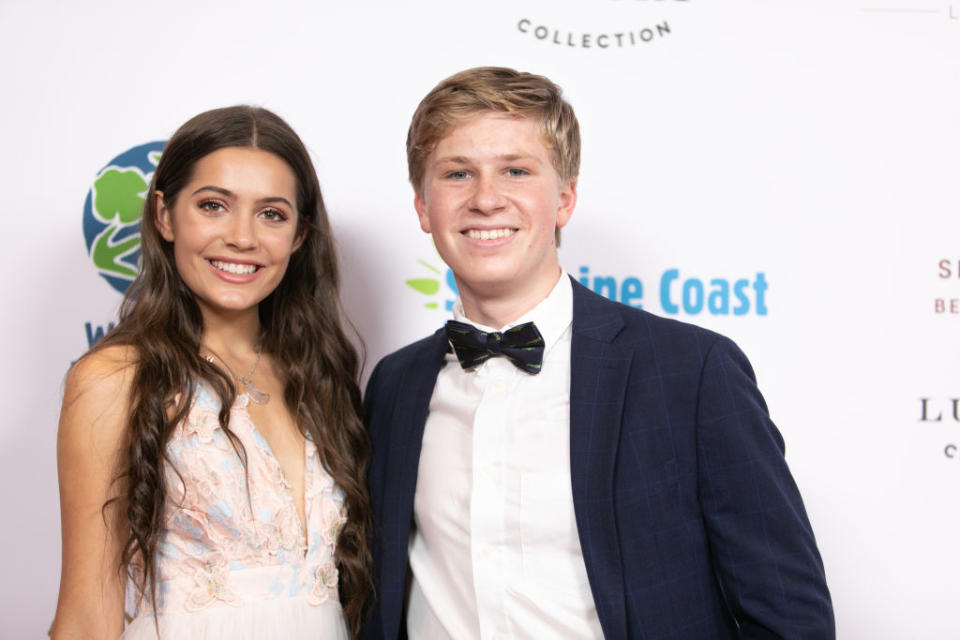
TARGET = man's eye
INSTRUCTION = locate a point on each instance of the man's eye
(457, 175)
(517, 172)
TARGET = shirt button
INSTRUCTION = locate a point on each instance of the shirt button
(498, 637)
(487, 551)
(498, 384)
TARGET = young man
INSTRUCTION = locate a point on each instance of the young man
(601, 472)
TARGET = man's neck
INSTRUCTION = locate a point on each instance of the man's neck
(498, 311)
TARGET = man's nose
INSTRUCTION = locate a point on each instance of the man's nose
(486, 197)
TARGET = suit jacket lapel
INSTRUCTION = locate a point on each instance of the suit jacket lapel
(598, 379)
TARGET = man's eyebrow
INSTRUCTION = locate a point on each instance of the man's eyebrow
(230, 194)
(453, 159)
(509, 157)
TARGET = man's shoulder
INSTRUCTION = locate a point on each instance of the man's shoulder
(403, 356)
(667, 344)
(638, 325)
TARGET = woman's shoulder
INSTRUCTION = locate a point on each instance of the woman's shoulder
(109, 369)
(97, 391)
(107, 359)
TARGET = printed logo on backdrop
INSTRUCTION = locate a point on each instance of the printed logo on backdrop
(111, 213)
(948, 303)
(636, 24)
(436, 282)
(675, 293)
(943, 412)
(111, 219)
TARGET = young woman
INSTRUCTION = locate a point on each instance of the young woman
(210, 452)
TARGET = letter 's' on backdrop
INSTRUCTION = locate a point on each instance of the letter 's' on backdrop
(785, 173)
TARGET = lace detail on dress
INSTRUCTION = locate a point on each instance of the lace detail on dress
(223, 529)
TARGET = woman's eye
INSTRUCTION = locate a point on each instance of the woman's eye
(212, 206)
(273, 214)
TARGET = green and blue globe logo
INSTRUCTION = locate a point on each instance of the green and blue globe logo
(112, 210)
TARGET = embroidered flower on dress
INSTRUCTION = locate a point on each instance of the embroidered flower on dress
(324, 583)
(202, 423)
(333, 519)
(282, 532)
(270, 534)
(212, 585)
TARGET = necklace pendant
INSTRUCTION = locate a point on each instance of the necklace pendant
(259, 397)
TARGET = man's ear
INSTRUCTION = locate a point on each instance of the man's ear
(421, 207)
(568, 200)
(162, 218)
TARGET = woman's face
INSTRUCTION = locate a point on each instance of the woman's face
(233, 227)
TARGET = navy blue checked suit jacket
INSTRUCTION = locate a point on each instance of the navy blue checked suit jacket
(690, 523)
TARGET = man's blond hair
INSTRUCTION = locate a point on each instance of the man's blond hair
(469, 93)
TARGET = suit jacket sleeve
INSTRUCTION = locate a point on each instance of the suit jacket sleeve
(376, 476)
(762, 545)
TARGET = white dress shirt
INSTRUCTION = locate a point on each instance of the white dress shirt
(495, 552)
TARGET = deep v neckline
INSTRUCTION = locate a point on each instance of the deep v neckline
(286, 487)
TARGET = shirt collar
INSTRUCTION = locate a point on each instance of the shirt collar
(552, 316)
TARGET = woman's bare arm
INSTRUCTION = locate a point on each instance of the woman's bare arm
(90, 439)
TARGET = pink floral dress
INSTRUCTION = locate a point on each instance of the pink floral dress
(236, 563)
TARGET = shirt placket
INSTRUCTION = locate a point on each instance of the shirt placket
(488, 499)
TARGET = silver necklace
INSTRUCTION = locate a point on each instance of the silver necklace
(259, 397)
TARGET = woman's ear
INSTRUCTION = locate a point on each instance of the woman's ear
(298, 241)
(162, 217)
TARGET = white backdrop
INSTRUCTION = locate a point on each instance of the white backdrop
(813, 142)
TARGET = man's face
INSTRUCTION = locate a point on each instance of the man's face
(492, 199)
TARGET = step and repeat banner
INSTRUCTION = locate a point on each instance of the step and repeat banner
(786, 173)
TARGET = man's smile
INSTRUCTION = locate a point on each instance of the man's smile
(489, 234)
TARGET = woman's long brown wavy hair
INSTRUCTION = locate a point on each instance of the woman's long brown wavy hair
(300, 327)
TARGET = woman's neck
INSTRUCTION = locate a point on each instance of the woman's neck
(232, 335)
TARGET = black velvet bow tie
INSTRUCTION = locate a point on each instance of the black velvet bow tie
(522, 345)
